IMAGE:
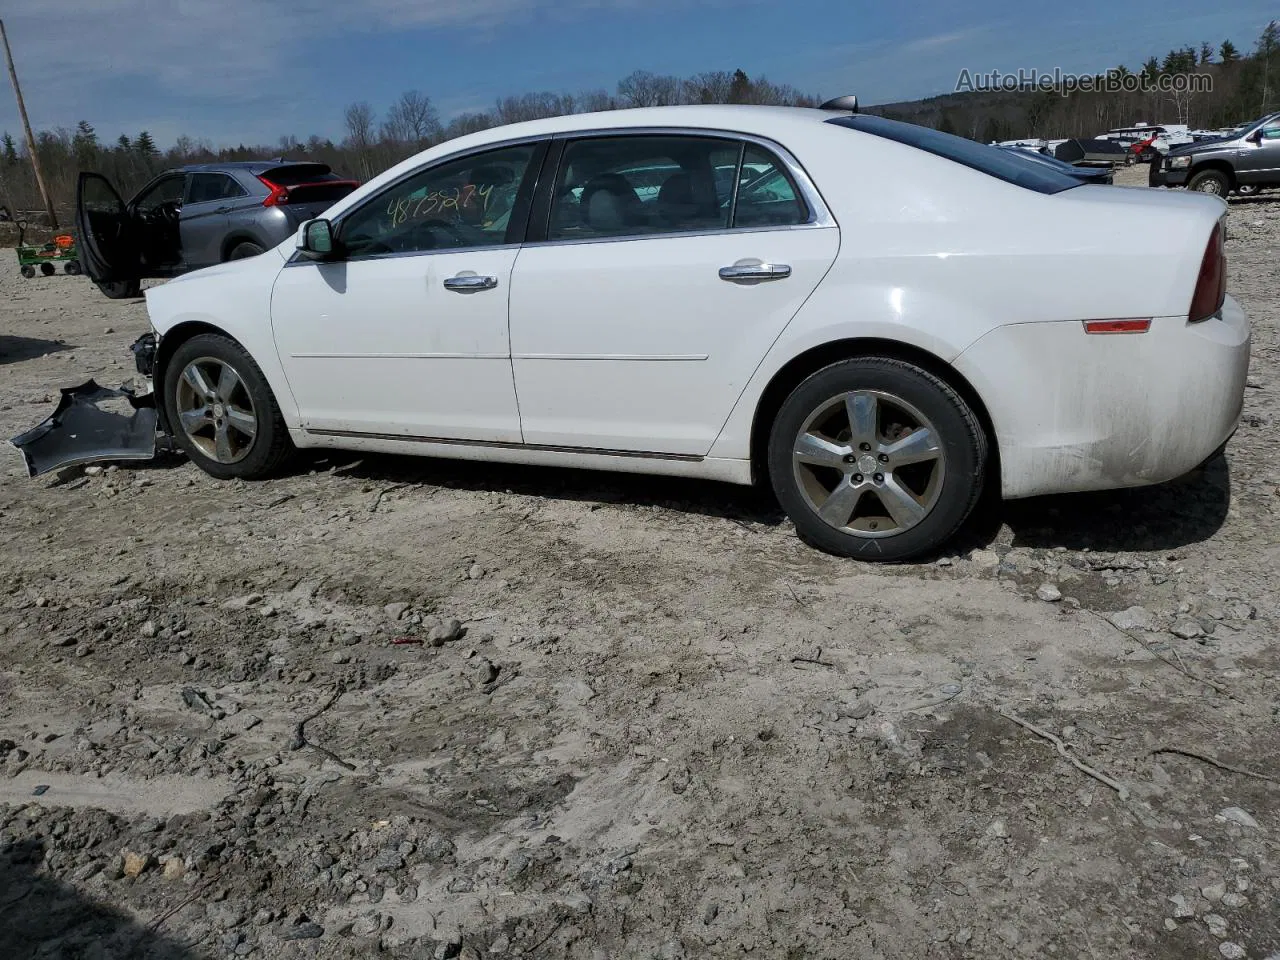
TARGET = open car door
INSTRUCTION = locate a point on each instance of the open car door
(107, 237)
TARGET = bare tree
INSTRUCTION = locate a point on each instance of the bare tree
(644, 89)
(359, 119)
(710, 87)
(412, 120)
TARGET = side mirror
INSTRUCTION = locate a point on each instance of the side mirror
(1256, 136)
(316, 240)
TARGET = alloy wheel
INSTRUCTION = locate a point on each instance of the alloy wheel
(216, 411)
(869, 464)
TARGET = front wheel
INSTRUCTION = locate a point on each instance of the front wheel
(877, 459)
(242, 251)
(121, 289)
(221, 410)
(1213, 182)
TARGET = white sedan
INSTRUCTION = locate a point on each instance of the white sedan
(875, 318)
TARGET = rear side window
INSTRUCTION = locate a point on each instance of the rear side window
(633, 186)
(767, 196)
(206, 187)
(977, 156)
(637, 186)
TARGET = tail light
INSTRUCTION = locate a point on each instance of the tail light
(279, 195)
(1211, 286)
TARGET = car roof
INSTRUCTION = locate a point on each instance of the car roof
(251, 166)
(739, 118)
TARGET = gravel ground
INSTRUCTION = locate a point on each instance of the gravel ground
(431, 709)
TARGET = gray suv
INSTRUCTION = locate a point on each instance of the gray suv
(1243, 163)
(195, 216)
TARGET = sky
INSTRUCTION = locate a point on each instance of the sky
(250, 71)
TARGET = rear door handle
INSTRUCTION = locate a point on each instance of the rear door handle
(470, 283)
(223, 210)
(754, 271)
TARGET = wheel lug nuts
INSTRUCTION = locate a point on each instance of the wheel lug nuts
(851, 459)
(857, 478)
(864, 447)
(879, 478)
(884, 458)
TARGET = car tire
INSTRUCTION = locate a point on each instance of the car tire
(1213, 182)
(841, 470)
(244, 250)
(121, 289)
(230, 427)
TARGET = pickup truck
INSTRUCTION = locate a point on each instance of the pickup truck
(1243, 163)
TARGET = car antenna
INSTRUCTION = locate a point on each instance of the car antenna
(849, 103)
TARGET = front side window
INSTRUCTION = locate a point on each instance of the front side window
(168, 192)
(455, 205)
(642, 185)
(1272, 130)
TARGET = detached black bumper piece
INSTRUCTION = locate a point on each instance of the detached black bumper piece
(91, 423)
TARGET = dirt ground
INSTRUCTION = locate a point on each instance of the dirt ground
(660, 727)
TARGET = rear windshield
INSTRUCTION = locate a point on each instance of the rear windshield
(326, 193)
(989, 160)
(297, 173)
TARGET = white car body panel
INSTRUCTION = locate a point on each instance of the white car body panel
(651, 349)
(380, 346)
(987, 281)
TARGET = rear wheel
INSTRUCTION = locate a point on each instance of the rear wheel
(877, 459)
(222, 411)
(1213, 182)
(121, 289)
(244, 250)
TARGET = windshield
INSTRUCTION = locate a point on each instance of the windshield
(977, 156)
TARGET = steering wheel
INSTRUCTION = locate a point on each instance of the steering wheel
(427, 226)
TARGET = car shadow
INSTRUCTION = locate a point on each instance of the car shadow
(17, 349)
(1164, 517)
(40, 916)
(1168, 516)
(702, 497)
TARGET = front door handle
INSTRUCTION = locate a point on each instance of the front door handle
(470, 283)
(223, 210)
(754, 271)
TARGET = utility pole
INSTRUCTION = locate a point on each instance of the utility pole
(26, 126)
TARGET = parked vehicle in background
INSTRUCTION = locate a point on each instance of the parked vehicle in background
(876, 355)
(1103, 175)
(1244, 163)
(196, 216)
(1150, 140)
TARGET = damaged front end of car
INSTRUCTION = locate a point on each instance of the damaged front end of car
(94, 423)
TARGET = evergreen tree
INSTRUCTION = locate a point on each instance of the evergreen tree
(739, 87)
(10, 149)
(123, 144)
(1206, 53)
(1228, 53)
(144, 145)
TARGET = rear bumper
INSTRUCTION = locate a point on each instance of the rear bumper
(1074, 412)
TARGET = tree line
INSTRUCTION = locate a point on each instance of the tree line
(1244, 87)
